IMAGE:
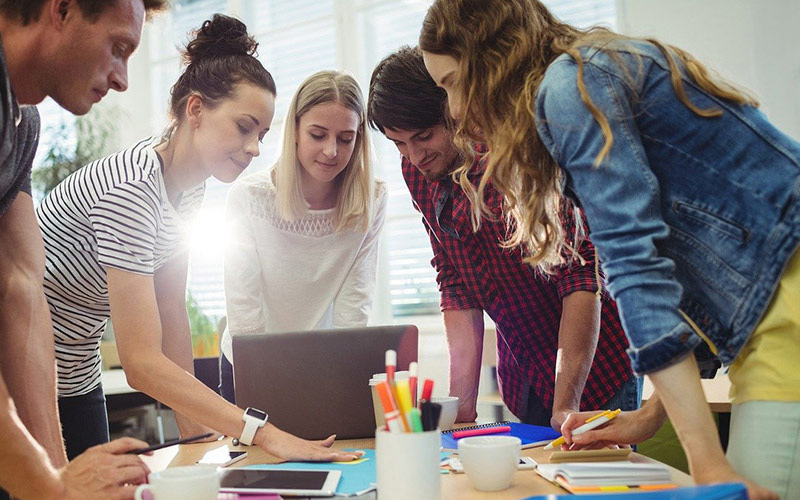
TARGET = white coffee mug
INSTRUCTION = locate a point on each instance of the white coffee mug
(377, 406)
(449, 411)
(489, 461)
(195, 482)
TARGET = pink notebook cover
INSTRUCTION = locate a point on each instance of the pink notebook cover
(245, 496)
(234, 496)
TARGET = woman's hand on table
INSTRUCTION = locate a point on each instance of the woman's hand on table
(288, 447)
(629, 427)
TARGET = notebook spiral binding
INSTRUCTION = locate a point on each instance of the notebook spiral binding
(480, 426)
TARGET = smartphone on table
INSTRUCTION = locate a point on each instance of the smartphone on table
(222, 457)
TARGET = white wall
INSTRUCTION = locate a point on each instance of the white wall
(753, 43)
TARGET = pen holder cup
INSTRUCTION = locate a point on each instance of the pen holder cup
(377, 407)
(408, 465)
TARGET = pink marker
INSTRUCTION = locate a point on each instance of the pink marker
(391, 365)
(427, 389)
(482, 432)
(412, 382)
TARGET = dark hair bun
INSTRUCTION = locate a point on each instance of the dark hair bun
(220, 36)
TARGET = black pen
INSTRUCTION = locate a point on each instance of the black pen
(430, 414)
(139, 451)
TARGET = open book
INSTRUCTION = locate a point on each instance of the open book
(607, 476)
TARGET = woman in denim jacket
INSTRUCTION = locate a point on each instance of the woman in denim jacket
(693, 201)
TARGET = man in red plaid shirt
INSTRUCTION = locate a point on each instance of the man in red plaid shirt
(560, 348)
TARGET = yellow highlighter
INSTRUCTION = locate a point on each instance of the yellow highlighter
(404, 396)
(591, 423)
(403, 401)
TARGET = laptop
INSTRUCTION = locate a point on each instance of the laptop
(314, 384)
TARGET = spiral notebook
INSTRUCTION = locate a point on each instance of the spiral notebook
(530, 435)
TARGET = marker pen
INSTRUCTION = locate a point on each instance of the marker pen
(390, 412)
(412, 382)
(391, 365)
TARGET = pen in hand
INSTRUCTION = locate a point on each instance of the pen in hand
(591, 423)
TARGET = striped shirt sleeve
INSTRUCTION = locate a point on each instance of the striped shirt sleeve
(125, 223)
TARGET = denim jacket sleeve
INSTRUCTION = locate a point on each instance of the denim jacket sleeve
(621, 202)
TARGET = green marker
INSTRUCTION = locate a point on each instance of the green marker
(415, 418)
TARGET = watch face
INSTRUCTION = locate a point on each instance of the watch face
(252, 412)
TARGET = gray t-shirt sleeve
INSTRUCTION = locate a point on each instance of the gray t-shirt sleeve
(17, 149)
(27, 143)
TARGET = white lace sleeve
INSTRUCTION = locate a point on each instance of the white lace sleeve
(354, 301)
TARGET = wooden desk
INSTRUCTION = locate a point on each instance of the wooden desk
(454, 486)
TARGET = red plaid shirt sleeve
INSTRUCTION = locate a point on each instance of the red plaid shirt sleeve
(579, 275)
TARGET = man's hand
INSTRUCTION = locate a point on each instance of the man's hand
(288, 447)
(104, 472)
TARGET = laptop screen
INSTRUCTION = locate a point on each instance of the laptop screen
(314, 384)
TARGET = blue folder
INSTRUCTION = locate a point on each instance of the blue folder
(356, 478)
(732, 491)
(528, 434)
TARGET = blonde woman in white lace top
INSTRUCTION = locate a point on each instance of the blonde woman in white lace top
(303, 250)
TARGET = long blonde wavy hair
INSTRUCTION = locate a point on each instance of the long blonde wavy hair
(356, 184)
(503, 48)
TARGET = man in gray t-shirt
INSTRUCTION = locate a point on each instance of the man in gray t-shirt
(73, 51)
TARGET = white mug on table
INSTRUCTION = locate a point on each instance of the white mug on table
(489, 461)
(195, 482)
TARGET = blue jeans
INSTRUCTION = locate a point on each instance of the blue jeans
(225, 380)
(764, 445)
(84, 421)
(629, 397)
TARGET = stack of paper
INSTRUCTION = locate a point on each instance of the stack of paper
(607, 476)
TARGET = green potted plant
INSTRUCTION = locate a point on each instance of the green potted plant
(205, 338)
(72, 144)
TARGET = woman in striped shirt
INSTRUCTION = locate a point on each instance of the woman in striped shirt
(115, 248)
